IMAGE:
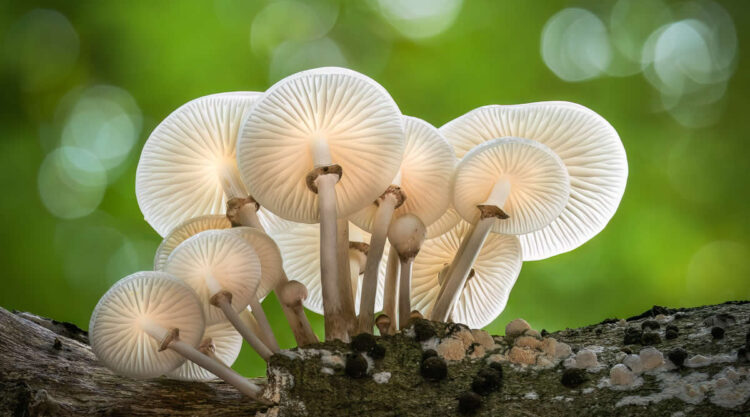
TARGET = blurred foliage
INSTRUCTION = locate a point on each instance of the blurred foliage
(96, 77)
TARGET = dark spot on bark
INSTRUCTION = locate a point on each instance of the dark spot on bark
(469, 402)
(486, 381)
(677, 356)
(356, 366)
(57, 345)
(598, 331)
(720, 320)
(652, 312)
(627, 350)
(609, 321)
(717, 332)
(498, 368)
(429, 353)
(362, 342)
(423, 330)
(671, 334)
(455, 328)
(572, 378)
(377, 351)
(632, 336)
(434, 369)
(544, 333)
(650, 339)
(743, 355)
(650, 324)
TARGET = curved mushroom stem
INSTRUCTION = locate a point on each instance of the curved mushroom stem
(390, 292)
(260, 316)
(387, 203)
(404, 292)
(344, 284)
(291, 294)
(170, 339)
(223, 300)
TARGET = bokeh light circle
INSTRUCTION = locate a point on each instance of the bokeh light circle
(420, 19)
(71, 182)
(575, 45)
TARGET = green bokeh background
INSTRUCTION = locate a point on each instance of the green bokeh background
(679, 238)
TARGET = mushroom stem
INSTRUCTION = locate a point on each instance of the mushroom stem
(336, 323)
(354, 273)
(265, 327)
(242, 211)
(446, 272)
(387, 203)
(390, 292)
(404, 292)
(223, 300)
(252, 323)
(344, 284)
(291, 294)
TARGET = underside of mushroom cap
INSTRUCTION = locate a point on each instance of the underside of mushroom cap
(300, 249)
(217, 260)
(587, 144)
(487, 289)
(346, 111)
(226, 342)
(187, 229)
(444, 224)
(116, 329)
(271, 266)
(538, 181)
(425, 175)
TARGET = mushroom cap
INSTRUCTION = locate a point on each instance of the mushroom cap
(406, 235)
(539, 184)
(227, 343)
(353, 114)
(300, 249)
(445, 223)
(115, 332)
(426, 173)
(228, 259)
(587, 144)
(271, 265)
(179, 174)
(184, 231)
(485, 294)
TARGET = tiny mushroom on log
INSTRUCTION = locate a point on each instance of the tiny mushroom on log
(225, 271)
(311, 134)
(148, 324)
(292, 295)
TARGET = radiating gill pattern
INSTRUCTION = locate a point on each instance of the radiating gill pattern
(187, 229)
(446, 222)
(587, 144)
(271, 271)
(356, 117)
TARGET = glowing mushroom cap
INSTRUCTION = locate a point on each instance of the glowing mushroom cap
(424, 176)
(116, 330)
(224, 342)
(298, 116)
(271, 265)
(445, 223)
(587, 144)
(187, 229)
(186, 159)
(487, 289)
(213, 261)
(538, 181)
(300, 249)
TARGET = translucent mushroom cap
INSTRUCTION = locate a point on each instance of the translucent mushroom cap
(445, 223)
(182, 170)
(187, 229)
(225, 344)
(271, 265)
(487, 289)
(424, 176)
(349, 112)
(300, 249)
(538, 183)
(587, 144)
(213, 261)
(117, 329)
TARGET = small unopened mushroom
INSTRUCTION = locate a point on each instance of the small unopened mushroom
(148, 324)
(220, 342)
(588, 146)
(319, 145)
(406, 235)
(225, 272)
(507, 185)
(188, 166)
(418, 188)
(291, 294)
(383, 323)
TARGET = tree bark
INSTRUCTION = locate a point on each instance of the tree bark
(47, 368)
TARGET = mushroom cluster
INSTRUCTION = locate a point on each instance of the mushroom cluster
(321, 191)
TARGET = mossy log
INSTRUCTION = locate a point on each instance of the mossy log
(47, 368)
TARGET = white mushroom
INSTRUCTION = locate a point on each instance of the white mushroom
(225, 272)
(185, 230)
(419, 189)
(406, 235)
(444, 224)
(390, 292)
(221, 342)
(507, 185)
(148, 324)
(310, 132)
(188, 166)
(588, 146)
(488, 285)
(291, 295)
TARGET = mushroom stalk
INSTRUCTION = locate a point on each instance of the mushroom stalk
(344, 284)
(223, 300)
(265, 327)
(291, 294)
(354, 274)
(445, 273)
(404, 292)
(170, 339)
(387, 203)
(390, 292)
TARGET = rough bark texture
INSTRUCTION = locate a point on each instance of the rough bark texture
(47, 368)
